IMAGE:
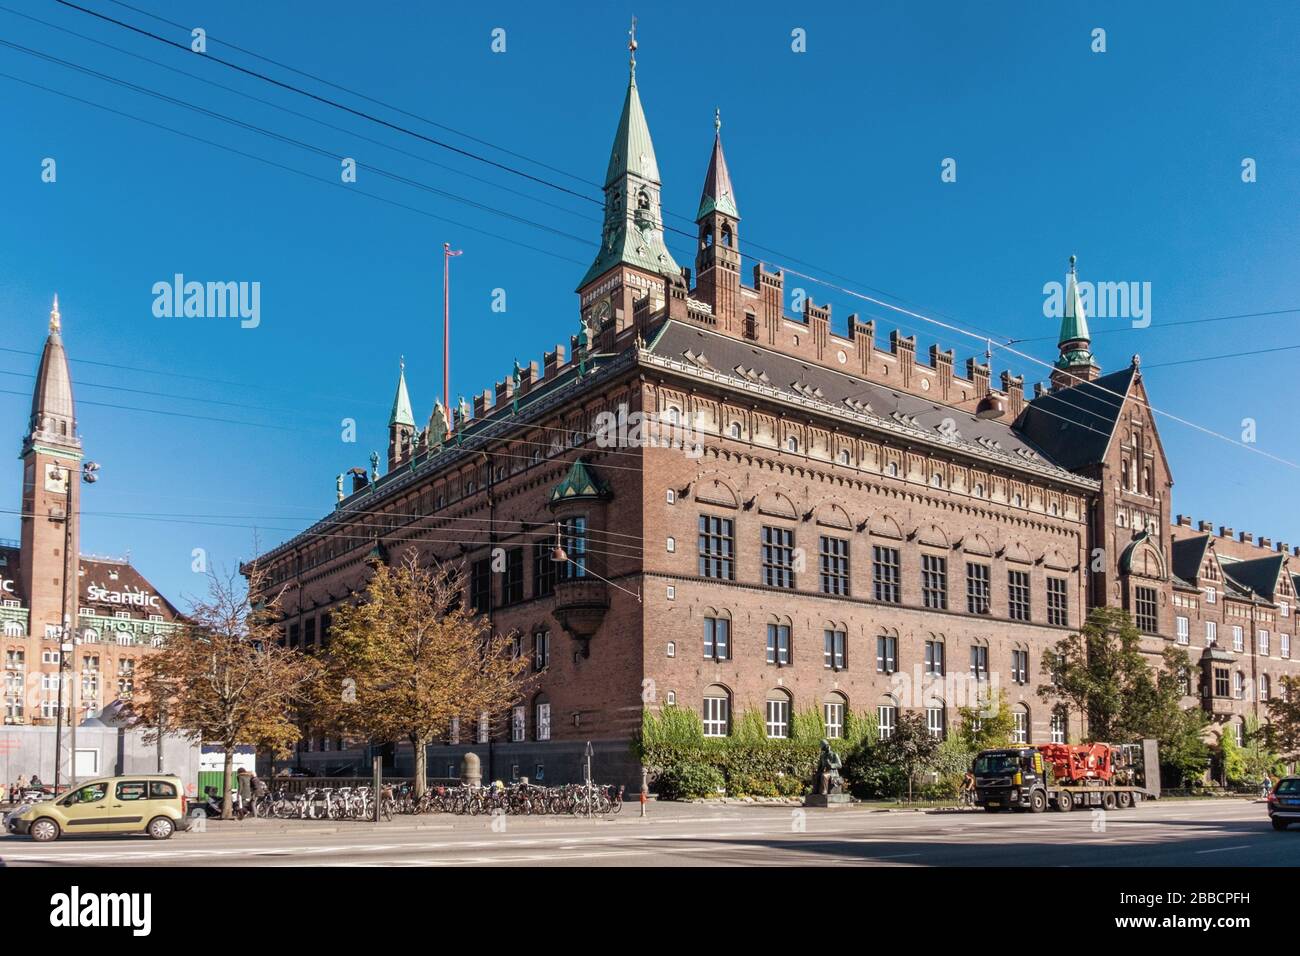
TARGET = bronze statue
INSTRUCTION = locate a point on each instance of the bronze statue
(828, 770)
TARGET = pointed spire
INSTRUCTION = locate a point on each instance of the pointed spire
(53, 418)
(1074, 325)
(1076, 362)
(633, 151)
(401, 414)
(717, 194)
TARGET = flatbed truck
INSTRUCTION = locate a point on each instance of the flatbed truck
(1018, 778)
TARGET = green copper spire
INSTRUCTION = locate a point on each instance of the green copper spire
(634, 229)
(578, 483)
(1075, 338)
(402, 414)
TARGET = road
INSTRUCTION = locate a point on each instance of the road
(1171, 833)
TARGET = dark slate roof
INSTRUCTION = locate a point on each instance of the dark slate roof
(1258, 574)
(11, 572)
(1074, 426)
(1188, 555)
(120, 587)
(900, 412)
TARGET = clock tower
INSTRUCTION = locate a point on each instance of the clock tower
(633, 262)
(51, 456)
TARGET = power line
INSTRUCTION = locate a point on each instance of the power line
(1168, 325)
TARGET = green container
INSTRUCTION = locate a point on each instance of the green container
(213, 778)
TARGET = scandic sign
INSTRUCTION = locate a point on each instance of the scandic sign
(97, 592)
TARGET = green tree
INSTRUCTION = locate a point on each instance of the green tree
(911, 747)
(987, 725)
(1284, 719)
(1256, 755)
(1230, 753)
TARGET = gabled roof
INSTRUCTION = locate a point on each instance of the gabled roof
(1259, 575)
(1074, 425)
(1188, 554)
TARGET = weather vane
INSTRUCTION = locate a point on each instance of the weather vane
(631, 45)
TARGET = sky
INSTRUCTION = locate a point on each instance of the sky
(215, 436)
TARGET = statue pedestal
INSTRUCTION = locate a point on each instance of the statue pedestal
(827, 800)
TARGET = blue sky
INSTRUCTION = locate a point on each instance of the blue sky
(1130, 158)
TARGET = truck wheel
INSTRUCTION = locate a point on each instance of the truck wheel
(1037, 802)
(1279, 824)
(1125, 799)
(1064, 801)
(992, 809)
(1108, 801)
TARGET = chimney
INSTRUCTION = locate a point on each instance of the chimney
(1283, 547)
(1225, 531)
(1184, 521)
(1246, 537)
(1265, 542)
(1206, 526)
(360, 479)
(552, 361)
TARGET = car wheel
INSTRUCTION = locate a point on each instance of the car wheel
(161, 828)
(1279, 824)
(1037, 802)
(1125, 800)
(44, 830)
(1064, 801)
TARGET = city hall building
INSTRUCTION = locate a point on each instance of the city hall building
(757, 513)
(113, 615)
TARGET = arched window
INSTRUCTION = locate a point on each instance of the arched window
(717, 711)
(792, 444)
(891, 470)
(844, 457)
(936, 719)
(13, 629)
(1020, 727)
(886, 717)
(936, 480)
(726, 235)
(778, 714)
(735, 429)
(834, 707)
(1239, 685)
(643, 200)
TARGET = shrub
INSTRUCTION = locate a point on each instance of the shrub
(688, 780)
(870, 777)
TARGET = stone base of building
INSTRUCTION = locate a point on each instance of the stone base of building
(827, 800)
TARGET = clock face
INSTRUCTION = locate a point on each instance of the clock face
(56, 478)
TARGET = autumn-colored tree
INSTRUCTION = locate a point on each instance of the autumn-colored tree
(224, 677)
(411, 658)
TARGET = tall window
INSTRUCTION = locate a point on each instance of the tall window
(778, 644)
(778, 716)
(886, 654)
(125, 678)
(717, 638)
(833, 649)
(480, 586)
(1263, 687)
(1221, 684)
(934, 658)
(1264, 643)
(834, 560)
(979, 662)
(1145, 614)
(543, 569)
(1284, 641)
(886, 720)
(541, 650)
(1211, 633)
(1058, 726)
(1018, 595)
(512, 585)
(1020, 666)
(1058, 603)
(778, 557)
(573, 534)
(717, 548)
(717, 712)
(15, 682)
(1238, 638)
(886, 574)
(518, 723)
(833, 715)
(977, 588)
(1239, 685)
(934, 581)
(934, 720)
(1020, 729)
(542, 720)
(1182, 630)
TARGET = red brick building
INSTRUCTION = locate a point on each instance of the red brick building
(819, 520)
(113, 615)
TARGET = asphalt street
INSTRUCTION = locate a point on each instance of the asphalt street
(1171, 833)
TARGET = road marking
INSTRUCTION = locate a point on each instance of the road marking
(1224, 849)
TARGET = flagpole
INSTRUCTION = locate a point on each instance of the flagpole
(447, 253)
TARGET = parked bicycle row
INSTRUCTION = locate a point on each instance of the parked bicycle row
(577, 799)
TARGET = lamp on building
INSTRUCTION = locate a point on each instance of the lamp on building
(558, 554)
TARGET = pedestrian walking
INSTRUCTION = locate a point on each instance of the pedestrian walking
(258, 788)
(245, 790)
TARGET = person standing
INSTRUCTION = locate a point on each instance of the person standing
(245, 790)
(257, 787)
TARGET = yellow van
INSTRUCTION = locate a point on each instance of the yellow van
(136, 803)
